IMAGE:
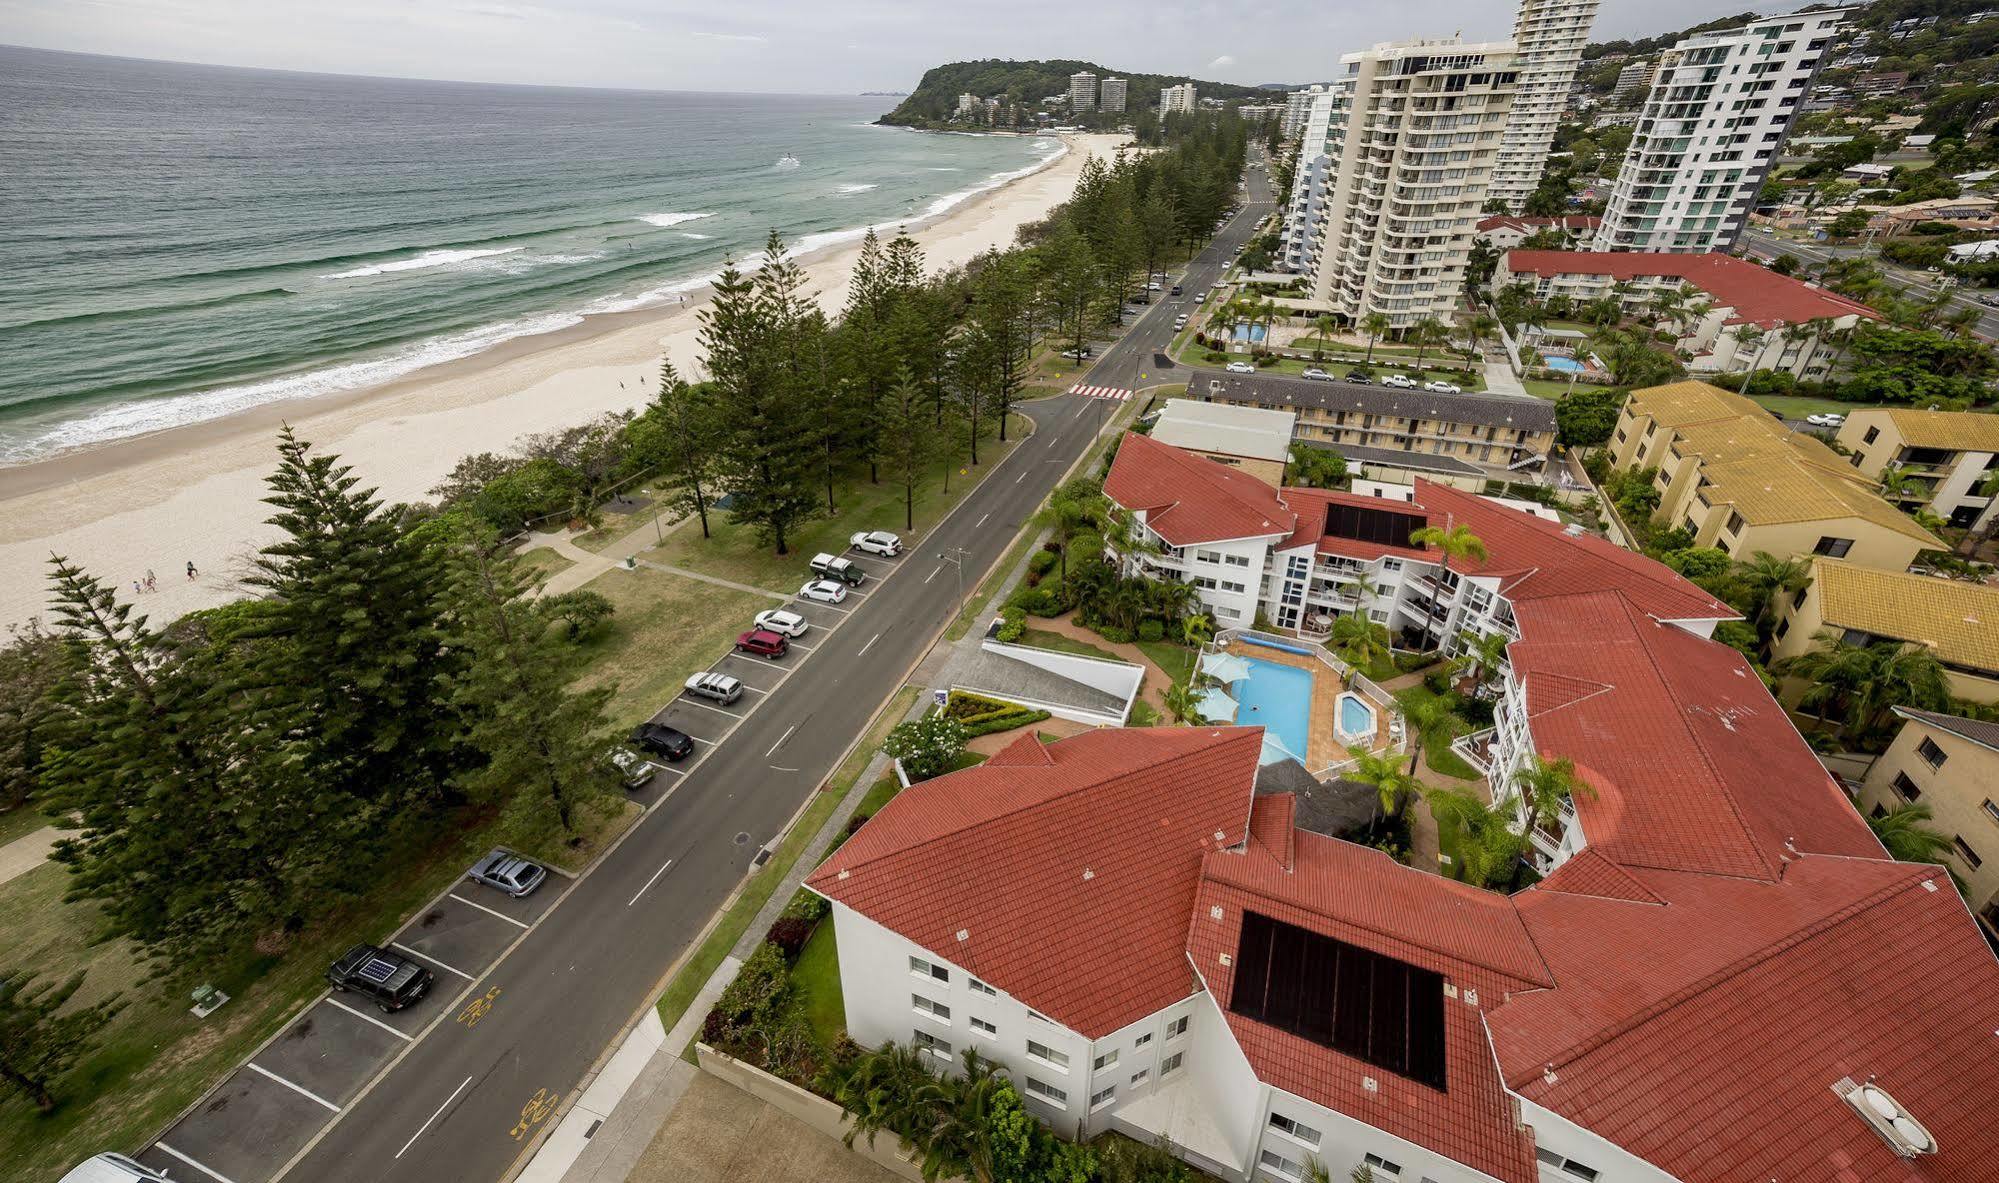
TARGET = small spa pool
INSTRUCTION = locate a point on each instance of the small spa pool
(1277, 698)
(1355, 721)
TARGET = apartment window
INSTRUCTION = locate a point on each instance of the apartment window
(1932, 755)
(1380, 1165)
(1991, 810)
(923, 969)
(1833, 548)
(1276, 1163)
(1140, 1077)
(1048, 1055)
(1734, 525)
(1107, 1060)
(1035, 1014)
(1177, 1028)
(1568, 1166)
(989, 1030)
(1965, 852)
(1171, 1064)
(935, 1010)
(1048, 1092)
(1295, 1129)
(981, 987)
(1906, 787)
(1873, 433)
(1103, 1097)
(1236, 560)
(930, 1043)
(1142, 1040)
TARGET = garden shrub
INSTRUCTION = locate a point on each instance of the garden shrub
(808, 905)
(1013, 626)
(1042, 562)
(1019, 717)
(1115, 635)
(789, 934)
(1152, 630)
(760, 987)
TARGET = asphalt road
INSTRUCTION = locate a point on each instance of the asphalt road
(465, 1101)
(1915, 285)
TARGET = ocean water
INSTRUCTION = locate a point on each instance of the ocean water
(182, 242)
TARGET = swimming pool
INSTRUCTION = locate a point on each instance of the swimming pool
(1355, 721)
(1277, 698)
(1566, 365)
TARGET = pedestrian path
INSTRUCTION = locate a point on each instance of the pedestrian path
(27, 852)
(586, 565)
(1499, 379)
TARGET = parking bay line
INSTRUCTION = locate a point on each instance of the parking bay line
(434, 961)
(648, 883)
(489, 911)
(828, 607)
(405, 1036)
(209, 1171)
(300, 1089)
(688, 702)
(433, 1117)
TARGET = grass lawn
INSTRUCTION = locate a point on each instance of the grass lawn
(1437, 753)
(618, 525)
(735, 553)
(1042, 639)
(19, 823)
(1547, 388)
(816, 977)
(1797, 406)
(543, 562)
(666, 627)
(700, 965)
(1176, 661)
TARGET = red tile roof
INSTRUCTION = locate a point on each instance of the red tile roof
(1755, 293)
(1311, 505)
(1189, 499)
(1013, 869)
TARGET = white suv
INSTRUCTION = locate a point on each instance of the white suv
(877, 542)
(1400, 381)
(777, 620)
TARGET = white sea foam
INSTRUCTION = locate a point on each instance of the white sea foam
(695, 237)
(665, 220)
(856, 188)
(421, 262)
(945, 168)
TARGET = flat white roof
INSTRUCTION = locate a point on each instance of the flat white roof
(1254, 432)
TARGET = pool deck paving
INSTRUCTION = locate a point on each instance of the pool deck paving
(1322, 748)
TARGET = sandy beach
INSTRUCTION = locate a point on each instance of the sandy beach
(159, 502)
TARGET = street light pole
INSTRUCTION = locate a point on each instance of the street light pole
(959, 563)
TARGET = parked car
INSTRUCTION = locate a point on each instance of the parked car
(1240, 367)
(777, 620)
(632, 770)
(1154, 286)
(718, 687)
(1443, 388)
(112, 1168)
(834, 567)
(1360, 377)
(506, 871)
(390, 979)
(1317, 375)
(1989, 301)
(1399, 381)
(661, 740)
(877, 542)
(826, 591)
(1826, 419)
(1082, 354)
(759, 642)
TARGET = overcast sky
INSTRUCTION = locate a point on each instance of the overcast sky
(811, 46)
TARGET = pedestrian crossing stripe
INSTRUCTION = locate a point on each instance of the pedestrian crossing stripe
(1111, 392)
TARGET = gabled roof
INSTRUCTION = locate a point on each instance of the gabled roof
(1959, 621)
(1979, 731)
(1189, 499)
(1481, 410)
(1958, 431)
(1757, 294)
(994, 867)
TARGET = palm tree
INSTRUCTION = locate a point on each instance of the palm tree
(1425, 333)
(1898, 481)
(1481, 654)
(1903, 832)
(1360, 641)
(1479, 328)
(1392, 782)
(1769, 577)
(1546, 785)
(1973, 539)
(960, 1130)
(1423, 712)
(1836, 671)
(1456, 542)
(1196, 628)
(1487, 844)
(883, 1091)
(1903, 676)
(1172, 599)
(1183, 702)
(1859, 685)
(1376, 326)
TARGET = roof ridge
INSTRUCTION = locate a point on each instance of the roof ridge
(1734, 968)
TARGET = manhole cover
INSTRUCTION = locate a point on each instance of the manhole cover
(743, 839)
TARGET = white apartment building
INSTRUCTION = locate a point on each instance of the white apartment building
(1713, 124)
(1083, 91)
(969, 103)
(1180, 98)
(1549, 36)
(1410, 148)
(1111, 95)
(1297, 106)
(1301, 232)
(1633, 81)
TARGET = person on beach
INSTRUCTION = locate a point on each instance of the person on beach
(152, 581)
(191, 572)
(137, 590)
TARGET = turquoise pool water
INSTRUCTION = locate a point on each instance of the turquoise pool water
(1567, 365)
(1277, 698)
(1356, 723)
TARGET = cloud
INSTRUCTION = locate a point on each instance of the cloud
(1224, 60)
(744, 37)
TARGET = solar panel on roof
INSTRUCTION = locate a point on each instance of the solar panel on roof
(377, 970)
(1353, 1000)
(1364, 524)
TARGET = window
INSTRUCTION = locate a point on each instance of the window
(1270, 1160)
(982, 1027)
(1177, 1028)
(1991, 810)
(1734, 525)
(1833, 548)
(936, 1010)
(1048, 1092)
(1965, 852)
(1142, 1040)
(1380, 1165)
(1932, 755)
(1048, 1055)
(1295, 1129)
(1171, 1064)
(923, 969)
(1242, 560)
(930, 1043)
(1107, 1060)
(1103, 1097)
(1567, 1166)
(1140, 1077)
(1906, 787)
(1873, 433)
(981, 987)
(1035, 1014)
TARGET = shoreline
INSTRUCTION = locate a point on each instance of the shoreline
(193, 493)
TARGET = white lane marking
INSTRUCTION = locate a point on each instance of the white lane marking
(982, 520)
(932, 575)
(488, 911)
(754, 690)
(688, 702)
(655, 878)
(433, 1117)
(780, 741)
(301, 1090)
(434, 961)
(657, 767)
(871, 641)
(1020, 478)
(402, 1035)
(803, 648)
(210, 1172)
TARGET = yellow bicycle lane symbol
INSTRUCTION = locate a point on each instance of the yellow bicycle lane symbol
(535, 1112)
(477, 1008)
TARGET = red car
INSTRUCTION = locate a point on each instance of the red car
(763, 643)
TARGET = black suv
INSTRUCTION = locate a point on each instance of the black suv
(661, 740)
(393, 981)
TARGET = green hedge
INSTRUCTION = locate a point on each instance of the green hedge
(980, 715)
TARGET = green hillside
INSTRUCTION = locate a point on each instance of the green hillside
(936, 97)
